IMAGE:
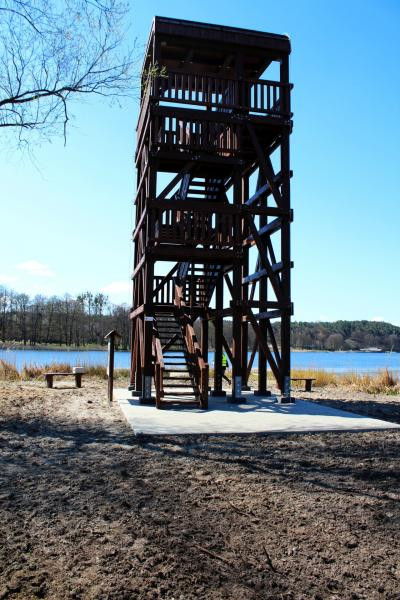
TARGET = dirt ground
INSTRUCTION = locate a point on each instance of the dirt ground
(88, 511)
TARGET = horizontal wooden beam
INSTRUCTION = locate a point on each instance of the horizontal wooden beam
(195, 206)
(266, 304)
(199, 255)
(268, 211)
(193, 114)
(269, 314)
(212, 313)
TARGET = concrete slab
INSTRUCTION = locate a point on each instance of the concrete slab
(257, 415)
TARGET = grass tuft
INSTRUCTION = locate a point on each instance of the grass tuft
(322, 377)
(8, 371)
(383, 382)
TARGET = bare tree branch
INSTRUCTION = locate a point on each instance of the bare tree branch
(52, 52)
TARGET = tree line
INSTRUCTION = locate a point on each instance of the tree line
(66, 320)
(85, 319)
(346, 335)
(335, 335)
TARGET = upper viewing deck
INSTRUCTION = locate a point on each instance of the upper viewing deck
(214, 69)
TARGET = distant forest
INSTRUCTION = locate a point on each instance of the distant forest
(85, 319)
(65, 321)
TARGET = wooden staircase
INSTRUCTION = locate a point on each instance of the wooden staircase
(181, 375)
(179, 384)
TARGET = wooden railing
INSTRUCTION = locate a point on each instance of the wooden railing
(190, 134)
(194, 291)
(165, 293)
(214, 225)
(253, 95)
(197, 363)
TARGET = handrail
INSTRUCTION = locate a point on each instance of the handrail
(193, 348)
(256, 95)
(159, 367)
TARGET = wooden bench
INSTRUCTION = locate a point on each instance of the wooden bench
(49, 378)
(308, 381)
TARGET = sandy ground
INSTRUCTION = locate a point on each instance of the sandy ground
(88, 511)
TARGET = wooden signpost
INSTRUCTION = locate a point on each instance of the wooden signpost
(111, 336)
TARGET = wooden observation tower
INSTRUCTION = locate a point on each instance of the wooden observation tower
(212, 236)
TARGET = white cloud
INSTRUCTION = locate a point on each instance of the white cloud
(34, 267)
(117, 287)
(380, 319)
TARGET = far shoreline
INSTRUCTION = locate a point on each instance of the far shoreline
(103, 348)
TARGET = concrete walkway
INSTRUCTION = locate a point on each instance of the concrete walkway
(255, 416)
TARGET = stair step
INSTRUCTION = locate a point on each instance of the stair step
(181, 394)
(178, 385)
(188, 403)
(175, 363)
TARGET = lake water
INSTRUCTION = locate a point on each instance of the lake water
(361, 362)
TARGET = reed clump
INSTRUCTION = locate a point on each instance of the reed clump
(8, 371)
(322, 377)
(34, 371)
(383, 382)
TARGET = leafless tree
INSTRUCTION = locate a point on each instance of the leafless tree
(52, 52)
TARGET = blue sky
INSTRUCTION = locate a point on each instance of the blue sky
(67, 216)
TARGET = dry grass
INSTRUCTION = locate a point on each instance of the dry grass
(322, 378)
(383, 382)
(33, 371)
(8, 371)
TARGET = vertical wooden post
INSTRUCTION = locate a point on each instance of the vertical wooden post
(237, 302)
(245, 292)
(285, 247)
(204, 339)
(218, 324)
(110, 365)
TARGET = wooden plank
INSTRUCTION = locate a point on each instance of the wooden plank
(255, 276)
(140, 223)
(268, 211)
(267, 229)
(139, 266)
(269, 314)
(136, 312)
